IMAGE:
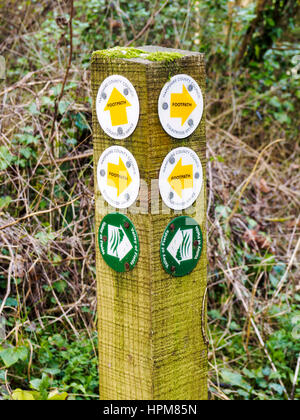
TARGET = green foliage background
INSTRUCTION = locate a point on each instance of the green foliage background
(48, 321)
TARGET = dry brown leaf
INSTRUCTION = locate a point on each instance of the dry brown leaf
(292, 224)
(263, 186)
(256, 239)
(19, 267)
(114, 24)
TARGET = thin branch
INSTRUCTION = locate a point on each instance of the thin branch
(119, 13)
(39, 213)
(249, 34)
(295, 378)
(239, 294)
(148, 24)
(237, 204)
(284, 277)
(80, 156)
(57, 102)
(8, 287)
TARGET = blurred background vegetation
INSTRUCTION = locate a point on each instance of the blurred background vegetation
(48, 316)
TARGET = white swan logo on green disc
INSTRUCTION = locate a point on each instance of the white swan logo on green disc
(181, 246)
(118, 242)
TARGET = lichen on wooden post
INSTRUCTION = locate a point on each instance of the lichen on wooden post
(152, 325)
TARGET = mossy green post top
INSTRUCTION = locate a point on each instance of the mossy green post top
(118, 107)
(180, 106)
(181, 246)
(118, 242)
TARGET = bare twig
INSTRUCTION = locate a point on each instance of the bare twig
(8, 287)
(247, 39)
(148, 24)
(65, 78)
(239, 294)
(295, 379)
(119, 12)
(84, 155)
(39, 213)
(284, 277)
(237, 204)
(250, 312)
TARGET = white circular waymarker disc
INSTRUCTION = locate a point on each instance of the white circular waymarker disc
(118, 107)
(180, 106)
(118, 177)
(180, 178)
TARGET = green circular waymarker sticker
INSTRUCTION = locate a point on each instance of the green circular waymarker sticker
(181, 246)
(118, 242)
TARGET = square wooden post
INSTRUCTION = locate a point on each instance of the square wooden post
(152, 326)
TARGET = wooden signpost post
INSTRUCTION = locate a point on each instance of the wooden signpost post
(149, 136)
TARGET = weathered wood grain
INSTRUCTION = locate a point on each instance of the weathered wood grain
(152, 342)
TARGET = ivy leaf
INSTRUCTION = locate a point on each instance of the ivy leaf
(10, 302)
(277, 388)
(52, 371)
(33, 109)
(22, 353)
(235, 379)
(5, 202)
(63, 106)
(274, 101)
(26, 152)
(19, 395)
(60, 286)
(282, 117)
(6, 158)
(36, 383)
(9, 357)
(56, 396)
(47, 101)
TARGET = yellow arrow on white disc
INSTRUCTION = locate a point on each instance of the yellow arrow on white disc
(180, 178)
(118, 107)
(180, 106)
(118, 177)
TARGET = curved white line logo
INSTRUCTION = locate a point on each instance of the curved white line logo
(181, 247)
(118, 243)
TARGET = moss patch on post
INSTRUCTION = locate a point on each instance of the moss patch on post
(119, 52)
(128, 53)
(163, 56)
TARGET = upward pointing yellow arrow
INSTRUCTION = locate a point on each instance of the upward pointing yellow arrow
(181, 177)
(182, 105)
(118, 176)
(117, 105)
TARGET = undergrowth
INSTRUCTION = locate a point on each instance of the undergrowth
(47, 262)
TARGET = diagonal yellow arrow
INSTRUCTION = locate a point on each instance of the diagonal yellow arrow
(182, 105)
(181, 177)
(118, 176)
(117, 105)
